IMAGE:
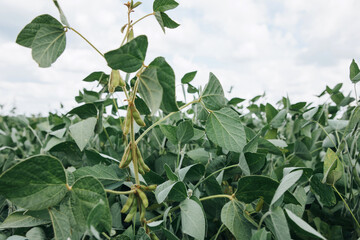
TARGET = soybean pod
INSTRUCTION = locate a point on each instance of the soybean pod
(141, 161)
(132, 212)
(136, 116)
(143, 197)
(128, 203)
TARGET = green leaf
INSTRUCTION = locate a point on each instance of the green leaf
(232, 215)
(101, 77)
(270, 112)
(27, 34)
(286, 183)
(303, 225)
(301, 151)
(169, 235)
(255, 161)
(235, 101)
(188, 77)
(35, 233)
(192, 219)
(310, 114)
(192, 173)
(333, 167)
(170, 174)
(22, 219)
(251, 188)
(224, 128)
(165, 21)
(244, 165)
(36, 183)
(150, 89)
(166, 77)
(338, 124)
(84, 111)
(213, 94)
(68, 153)
(170, 133)
(279, 222)
(129, 57)
(95, 221)
(175, 191)
(49, 43)
(85, 195)
(199, 155)
(278, 119)
(101, 172)
(82, 131)
(61, 224)
(164, 5)
(261, 234)
(142, 235)
(354, 71)
(62, 15)
(184, 131)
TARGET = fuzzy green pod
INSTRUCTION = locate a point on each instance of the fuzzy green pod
(126, 158)
(136, 116)
(132, 212)
(141, 161)
(143, 197)
(128, 203)
(127, 122)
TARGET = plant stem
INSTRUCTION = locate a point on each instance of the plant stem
(150, 14)
(347, 206)
(127, 29)
(203, 180)
(108, 137)
(163, 119)
(120, 192)
(133, 151)
(86, 41)
(219, 231)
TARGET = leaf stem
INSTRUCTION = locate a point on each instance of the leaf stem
(204, 179)
(150, 14)
(86, 41)
(120, 192)
(347, 206)
(163, 119)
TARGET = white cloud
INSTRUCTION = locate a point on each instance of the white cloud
(281, 47)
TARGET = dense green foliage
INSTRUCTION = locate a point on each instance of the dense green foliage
(218, 168)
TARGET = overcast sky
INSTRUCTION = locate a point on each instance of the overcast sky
(281, 47)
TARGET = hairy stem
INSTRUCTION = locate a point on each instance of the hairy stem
(120, 192)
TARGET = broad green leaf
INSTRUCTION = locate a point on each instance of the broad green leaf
(301, 151)
(150, 89)
(338, 124)
(36, 183)
(244, 165)
(84, 111)
(310, 114)
(165, 21)
(232, 215)
(278, 119)
(170, 133)
(279, 222)
(188, 77)
(333, 167)
(166, 77)
(235, 101)
(169, 235)
(82, 131)
(173, 190)
(101, 77)
(101, 172)
(261, 234)
(170, 174)
(251, 188)
(213, 94)
(184, 131)
(85, 195)
(129, 57)
(199, 155)
(61, 224)
(68, 153)
(164, 5)
(49, 43)
(255, 161)
(27, 34)
(35, 233)
(270, 111)
(353, 121)
(278, 143)
(142, 235)
(224, 128)
(286, 183)
(95, 222)
(267, 147)
(192, 219)
(354, 71)
(303, 225)
(22, 219)
(192, 172)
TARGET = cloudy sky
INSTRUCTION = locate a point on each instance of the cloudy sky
(275, 46)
